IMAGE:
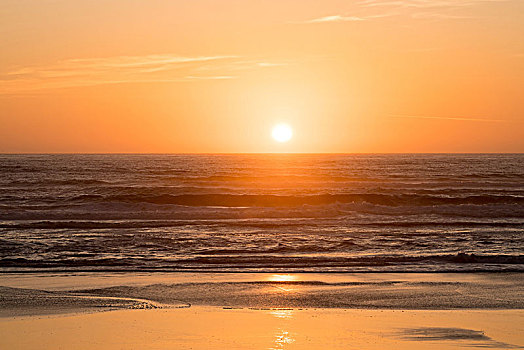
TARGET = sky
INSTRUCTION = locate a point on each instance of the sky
(206, 76)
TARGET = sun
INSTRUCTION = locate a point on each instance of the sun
(282, 132)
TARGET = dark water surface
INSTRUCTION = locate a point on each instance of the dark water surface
(322, 213)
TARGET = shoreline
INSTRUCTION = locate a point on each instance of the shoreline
(150, 311)
(42, 294)
(278, 271)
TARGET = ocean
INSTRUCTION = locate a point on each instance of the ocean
(262, 213)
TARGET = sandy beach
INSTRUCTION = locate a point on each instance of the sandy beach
(262, 252)
(261, 311)
(261, 175)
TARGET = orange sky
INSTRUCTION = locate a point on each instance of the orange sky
(216, 75)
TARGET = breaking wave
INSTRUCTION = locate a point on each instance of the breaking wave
(231, 200)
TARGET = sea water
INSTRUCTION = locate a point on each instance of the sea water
(262, 212)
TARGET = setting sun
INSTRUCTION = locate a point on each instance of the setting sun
(282, 132)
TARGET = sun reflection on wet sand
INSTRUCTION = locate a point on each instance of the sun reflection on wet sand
(282, 338)
(283, 278)
(286, 289)
(282, 313)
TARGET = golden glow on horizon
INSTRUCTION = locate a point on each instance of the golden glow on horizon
(282, 133)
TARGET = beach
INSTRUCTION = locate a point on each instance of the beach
(261, 175)
(261, 251)
(262, 311)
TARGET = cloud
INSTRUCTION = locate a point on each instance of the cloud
(218, 77)
(437, 15)
(345, 18)
(429, 9)
(335, 18)
(164, 68)
(424, 3)
(418, 9)
(119, 64)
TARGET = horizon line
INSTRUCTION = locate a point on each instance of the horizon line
(241, 153)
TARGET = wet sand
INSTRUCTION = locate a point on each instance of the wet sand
(261, 311)
(217, 328)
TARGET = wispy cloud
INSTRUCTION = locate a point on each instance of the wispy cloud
(418, 9)
(334, 18)
(424, 3)
(445, 118)
(124, 69)
(217, 77)
(119, 65)
(345, 18)
(438, 15)
(429, 9)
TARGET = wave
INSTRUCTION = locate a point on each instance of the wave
(249, 200)
(58, 182)
(267, 263)
(325, 261)
(92, 211)
(48, 224)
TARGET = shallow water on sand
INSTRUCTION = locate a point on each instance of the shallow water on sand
(65, 292)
